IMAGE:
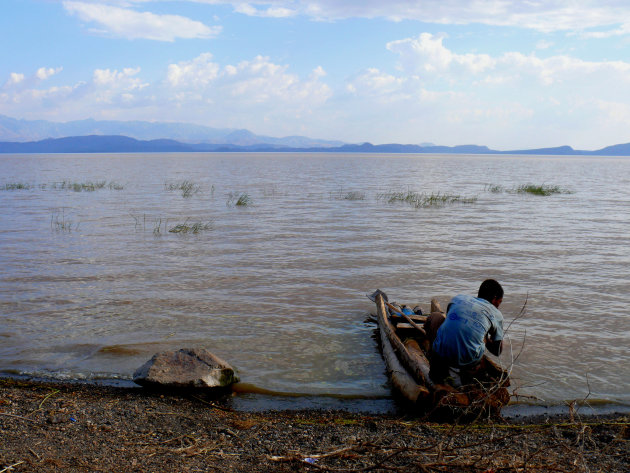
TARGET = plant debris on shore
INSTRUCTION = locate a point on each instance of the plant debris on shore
(48, 427)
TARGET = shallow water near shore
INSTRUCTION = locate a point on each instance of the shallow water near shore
(93, 283)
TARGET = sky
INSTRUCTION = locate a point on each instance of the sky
(509, 74)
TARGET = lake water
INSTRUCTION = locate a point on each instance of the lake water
(92, 283)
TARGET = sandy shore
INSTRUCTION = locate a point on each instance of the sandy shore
(67, 427)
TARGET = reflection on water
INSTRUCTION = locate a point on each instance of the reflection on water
(92, 283)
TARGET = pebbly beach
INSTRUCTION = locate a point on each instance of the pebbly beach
(69, 427)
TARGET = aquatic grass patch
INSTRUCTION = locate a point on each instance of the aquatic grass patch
(533, 189)
(239, 199)
(140, 221)
(161, 225)
(424, 200)
(193, 228)
(16, 186)
(348, 195)
(157, 226)
(86, 186)
(354, 195)
(494, 188)
(543, 189)
(186, 187)
(60, 223)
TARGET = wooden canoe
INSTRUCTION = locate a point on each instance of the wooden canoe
(406, 350)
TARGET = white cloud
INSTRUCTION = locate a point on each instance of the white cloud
(18, 79)
(622, 31)
(257, 94)
(374, 83)
(15, 78)
(253, 94)
(427, 54)
(116, 87)
(548, 15)
(248, 82)
(196, 73)
(509, 99)
(427, 57)
(44, 73)
(270, 12)
(119, 79)
(319, 72)
(131, 24)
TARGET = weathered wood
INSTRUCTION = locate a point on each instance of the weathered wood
(411, 363)
(413, 348)
(401, 380)
(408, 319)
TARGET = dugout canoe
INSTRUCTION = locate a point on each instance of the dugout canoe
(406, 352)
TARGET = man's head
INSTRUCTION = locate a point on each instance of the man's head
(491, 291)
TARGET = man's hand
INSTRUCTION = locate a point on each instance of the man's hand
(494, 347)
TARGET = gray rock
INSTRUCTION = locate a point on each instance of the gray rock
(185, 368)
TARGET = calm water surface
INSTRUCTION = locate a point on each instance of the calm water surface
(89, 288)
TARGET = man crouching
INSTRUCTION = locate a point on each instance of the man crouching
(471, 325)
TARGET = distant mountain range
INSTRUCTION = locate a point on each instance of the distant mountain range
(125, 144)
(15, 130)
(116, 137)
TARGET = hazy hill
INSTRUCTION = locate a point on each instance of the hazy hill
(615, 150)
(12, 129)
(124, 144)
(94, 136)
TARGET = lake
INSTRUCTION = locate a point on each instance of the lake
(107, 259)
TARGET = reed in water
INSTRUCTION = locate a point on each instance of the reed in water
(424, 200)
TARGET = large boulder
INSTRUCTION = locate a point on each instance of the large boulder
(185, 368)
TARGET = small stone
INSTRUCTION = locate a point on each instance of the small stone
(54, 419)
(371, 426)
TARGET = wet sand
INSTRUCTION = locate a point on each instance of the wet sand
(48, 427)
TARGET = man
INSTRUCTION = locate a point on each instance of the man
(471, 325)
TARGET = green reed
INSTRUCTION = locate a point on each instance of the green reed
(157, 226)
(193, 228)
(533, 189)
(424, 200)
(187, 188)
(348, 195)
(542, 189)
(60, 223)
(494, 188)
(239, 199)
(16, 186)
(86, 186)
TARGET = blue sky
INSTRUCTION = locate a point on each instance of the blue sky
(508, 74)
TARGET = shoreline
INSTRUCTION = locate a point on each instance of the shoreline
(61, 426)
(250, 398)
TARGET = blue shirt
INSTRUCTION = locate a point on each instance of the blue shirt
(461, 338)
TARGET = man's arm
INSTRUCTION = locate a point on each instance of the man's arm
(495, 347)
